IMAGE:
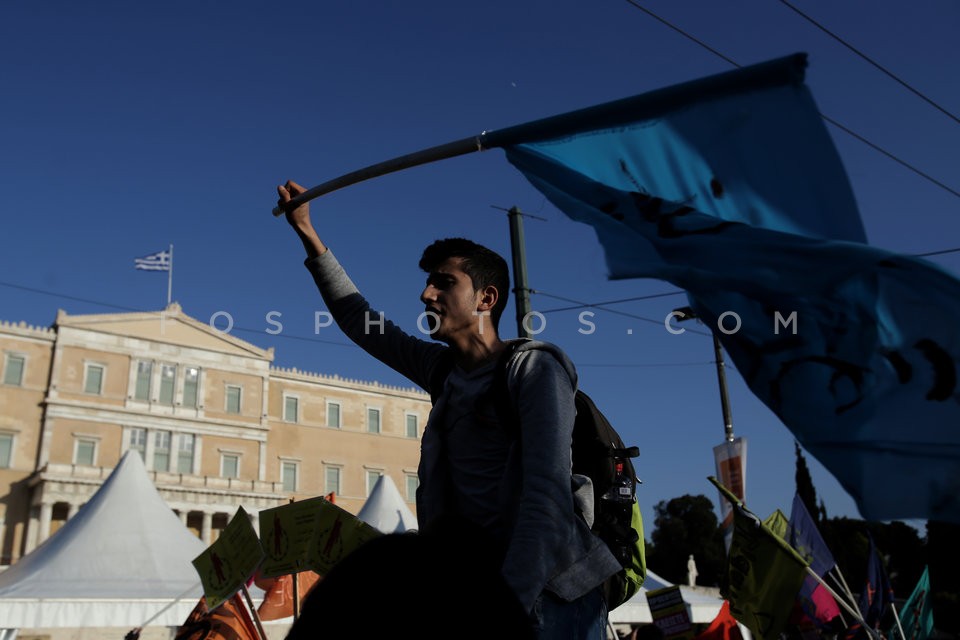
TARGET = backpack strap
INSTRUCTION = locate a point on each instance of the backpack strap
(499, 392)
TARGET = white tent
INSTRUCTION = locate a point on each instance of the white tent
(121, 560)
(386, 510)
(702, 607)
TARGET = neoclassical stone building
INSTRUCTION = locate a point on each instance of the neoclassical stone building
(217, 425)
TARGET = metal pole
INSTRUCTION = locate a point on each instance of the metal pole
(170, 278)
(786, 71)
(520, 289)
(724, 399)
(687, 313)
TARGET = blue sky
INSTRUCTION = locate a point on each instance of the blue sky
(127, 127)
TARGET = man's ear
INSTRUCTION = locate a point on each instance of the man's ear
(488, 298)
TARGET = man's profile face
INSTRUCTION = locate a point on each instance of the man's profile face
(451, 302)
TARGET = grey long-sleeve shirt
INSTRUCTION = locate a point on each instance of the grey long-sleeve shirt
(519, 489)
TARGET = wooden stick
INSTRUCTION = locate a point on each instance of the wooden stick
(254, 614)
(788, 70)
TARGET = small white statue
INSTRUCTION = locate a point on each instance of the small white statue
(691, 571)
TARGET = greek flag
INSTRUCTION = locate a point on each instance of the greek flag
(159, 261)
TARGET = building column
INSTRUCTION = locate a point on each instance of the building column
(46, 515)
(206, 527)
(72, 508)
(255, 521)
(262, 466)
(32, 532)
(183, 516)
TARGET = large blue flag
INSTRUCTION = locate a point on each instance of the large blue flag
(732, 190)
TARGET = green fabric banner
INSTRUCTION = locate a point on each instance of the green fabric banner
(764, 573)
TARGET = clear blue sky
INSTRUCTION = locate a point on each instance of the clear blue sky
(126, 127)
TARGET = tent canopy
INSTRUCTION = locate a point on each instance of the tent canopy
(123, 557)
(701, 607)
(386, 510)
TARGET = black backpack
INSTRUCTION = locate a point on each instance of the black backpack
(598, 453)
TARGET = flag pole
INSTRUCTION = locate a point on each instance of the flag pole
(896, 616)
(788, 70)
(168, 605)
(426, 156)
(840, 580)
(170, 278)
(253, 613)
(836, 596)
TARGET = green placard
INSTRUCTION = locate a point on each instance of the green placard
(338, 534)
(228, 563)
(287, 534)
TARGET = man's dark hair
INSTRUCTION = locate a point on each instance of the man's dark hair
(485, 267)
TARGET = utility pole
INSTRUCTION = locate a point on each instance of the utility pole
(686, 313)
(520, 289)
(724, 400)
(730, 456)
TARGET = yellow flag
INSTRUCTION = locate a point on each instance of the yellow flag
(778, 523)
(764, 573)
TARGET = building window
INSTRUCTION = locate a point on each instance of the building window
(233, 398)
(144, 377)
(93, 378)
(288, 474)
(412, 482)
(229, 465)
(333, 414)
(185, 453)
(413, 429)
(138, 442)
(372, 477)
(161, 451)
(191, 387)
(168, 381)
(85, 451)
(373, 420)
(331, 480)
(291, 408)
(13, 370)
(6, 450)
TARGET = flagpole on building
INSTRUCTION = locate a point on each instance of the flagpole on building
(170, 278)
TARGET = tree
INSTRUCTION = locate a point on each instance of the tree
(687, 526)
(805, 485)
(943, 556)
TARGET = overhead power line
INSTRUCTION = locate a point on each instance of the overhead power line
(109, 305)
(608, 302)
(880, 67)
(843, 128)
(614, 311)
